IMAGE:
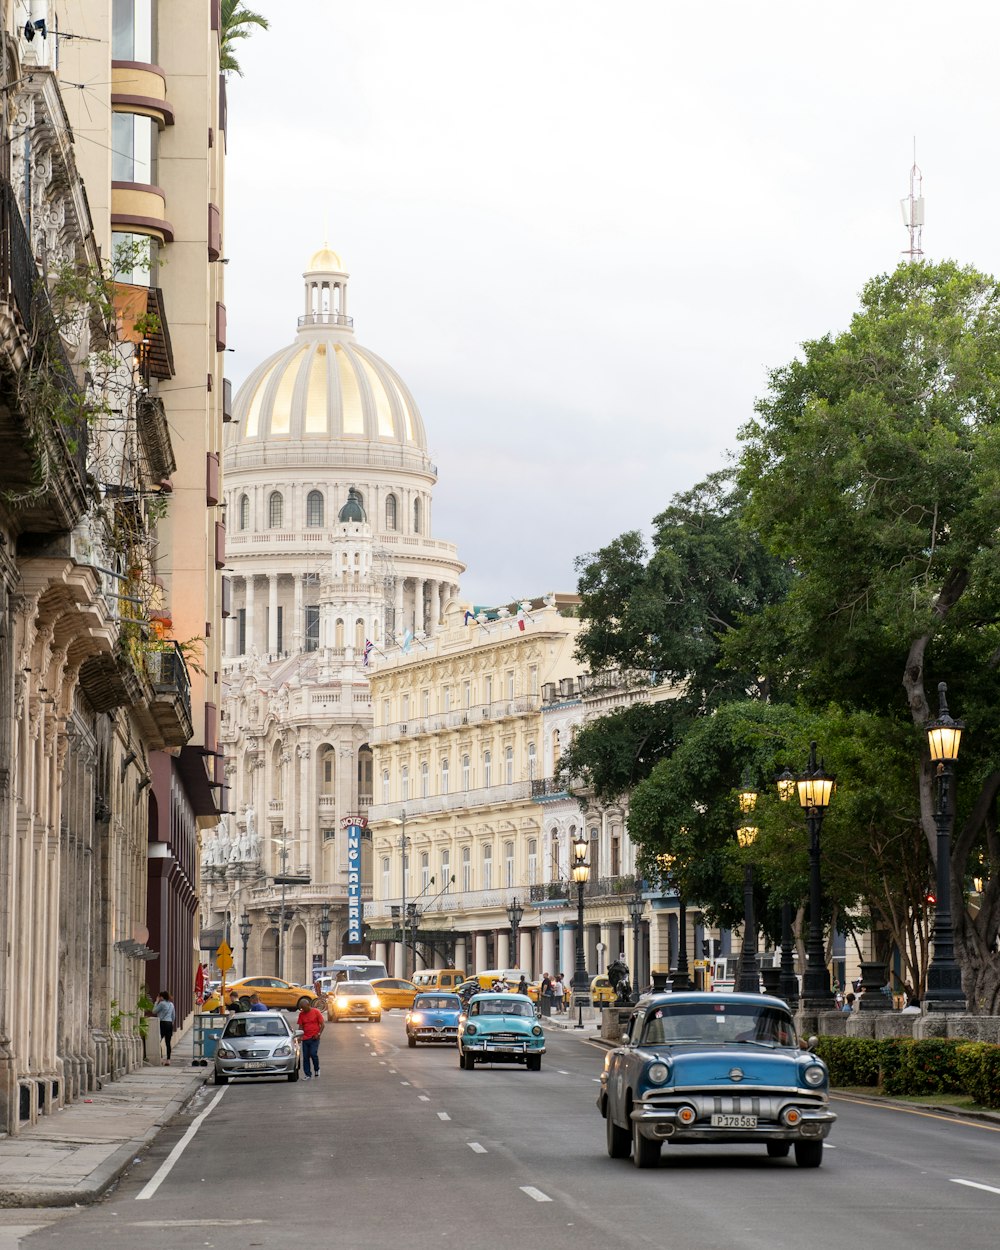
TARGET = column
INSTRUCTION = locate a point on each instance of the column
(503, 950)
(482, 953)
(299, 616)
(635, 961)
(567, 949)
(398, 626)
(549, 948)
(435, 607)
(461, 954)
(608, 955)
(382, 953)
(659, 944)
(399, 965)
(418, 604)
(524, 960)
(272, 614)
(250, 605)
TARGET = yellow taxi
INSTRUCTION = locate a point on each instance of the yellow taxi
(394, 992)
(273, 992)
(601, 991)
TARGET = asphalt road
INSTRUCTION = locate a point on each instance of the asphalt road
(400, 1147)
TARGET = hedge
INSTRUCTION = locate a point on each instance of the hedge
(900, 1066)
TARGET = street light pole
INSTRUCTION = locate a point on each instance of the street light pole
(515, 914)
(748, 976)
(814, 788)
(324, 929)
(789, 981)
(636, 906)
(245, 937)
(944, 976)
(403, 846)
(580, 984)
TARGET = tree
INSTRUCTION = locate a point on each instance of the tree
(873, 467)
(237, 21)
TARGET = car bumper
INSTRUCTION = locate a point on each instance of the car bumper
(356, 1015)
(662, 1124)
(254, 1068)
(434, 1035)
(502, 1052)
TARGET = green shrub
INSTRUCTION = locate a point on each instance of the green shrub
(851, 1060)
(979, 1072)
(926, 1067)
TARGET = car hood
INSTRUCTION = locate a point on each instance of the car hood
(435, 1015)
(712, 1065)
(505, 1024)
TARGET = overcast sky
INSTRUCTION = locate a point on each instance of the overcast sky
(584, 232)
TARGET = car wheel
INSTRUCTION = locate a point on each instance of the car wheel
(645, 1153)
(809, 1154)
(534, 1063)
(294, 1076)
(778, 1149)
(411, 1042)
(619, 1139)
(221, 1078)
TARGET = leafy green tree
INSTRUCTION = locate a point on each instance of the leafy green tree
(873, 468)
(237, 23)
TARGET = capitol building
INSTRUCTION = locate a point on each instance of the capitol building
(330, 558)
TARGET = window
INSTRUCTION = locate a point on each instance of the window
(134, 145)
(404, 783)
(556, 752)
(425, 702)
(314, 508)
(532, 761)
(133, 31)
(508, 766)
(444, 776)
(467, 694)
(533, 679)
(510, 683)
(447, 698)
(487, 690)
(275, 510)
(416, 516)
(465, 772)
(244, 512)
(312, 627)
(554, 856)
(406, 708)
(425, 780)
(445, 869)
(487, 769)
(390, 512)
(385, 877)
(329, 835)
(466, 869)
(279, 633)
(487, 867)
(385, 785)
(241, 617)
(532, 861)
(328, 771)
(508, 864)
(425, 871)
(135, 258)
(616, 854)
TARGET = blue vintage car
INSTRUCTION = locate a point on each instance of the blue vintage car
(433, 1018)
(714, 1068)
(500, 1028)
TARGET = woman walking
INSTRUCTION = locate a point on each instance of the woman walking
(163, 1009)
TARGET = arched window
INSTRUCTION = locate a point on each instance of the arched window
(404, 783)
(508, 864)
(487, 769)
(444, 776)
(275, 510)
(425, 780)
(385, 878)
(390, 512)
(425, 871)
(385, 785)
(416, 516)
(244, 512)
(466, 869)
(446, 869)
(532, 861)
(465, 772)
(532, 761)
(508, 766)
(487, 867)
(359, 634)
(314, 508)
(328, 771)
(338, 634)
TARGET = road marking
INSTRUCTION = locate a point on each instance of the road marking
(424, 1097)
(475, 1146)
(392, 1071)
(927, 1115)
(596, 1080)
(443, 1115)
(561, 1072)
(165, 1168)
(382, 1062)
(404, 1082)
(537, 1194)
(990, 1189)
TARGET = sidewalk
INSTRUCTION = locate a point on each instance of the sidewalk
(75, 1154)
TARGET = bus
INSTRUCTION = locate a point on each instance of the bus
(348, 968)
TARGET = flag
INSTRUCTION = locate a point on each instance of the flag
(369, 645)
(468, 617)
(407, 641)
(520, 618)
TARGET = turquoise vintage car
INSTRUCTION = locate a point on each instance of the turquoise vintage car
(704, 1068)
(500, 1028)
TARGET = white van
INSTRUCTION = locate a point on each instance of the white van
(351, 968)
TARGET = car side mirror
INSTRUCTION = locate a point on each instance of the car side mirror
(626, 1040)
(810, 1043)
(298, 1033)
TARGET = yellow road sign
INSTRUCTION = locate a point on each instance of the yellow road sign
(224, 956)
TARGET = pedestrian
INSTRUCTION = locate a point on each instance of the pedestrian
(234, 1003)
(848, 1006)
(163, 1009)
(311, 1023)
(522, 985)
(558, 993)
(256, 1004)
(912, 1008)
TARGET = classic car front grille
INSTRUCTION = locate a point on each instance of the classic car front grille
(505, 1037)
(766, 1104)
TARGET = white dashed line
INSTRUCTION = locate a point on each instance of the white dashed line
(990, 1189)
(392, 1071)
(404, 1082)
(443, 1115)
(423, 1097)
(475, 1146)
(382, 1062)
(561, 1072)
(537, 1194)
(596, 1080)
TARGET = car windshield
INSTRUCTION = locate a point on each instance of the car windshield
(436, 1002)
(501, 1007)
(244, 1026)
(355, 988)
(719, 1023)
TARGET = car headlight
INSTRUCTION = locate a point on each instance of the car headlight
(226, 1052)
(282, 1052)
(814, 1075)
(657, 1073)
(339, 1004)
(414, 1018)
(469, 1030)
(374, 1002)
(537, 1030)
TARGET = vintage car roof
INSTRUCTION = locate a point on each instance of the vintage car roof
(705, 996)
(505, 995)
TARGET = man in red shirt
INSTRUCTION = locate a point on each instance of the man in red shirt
(311, 1023)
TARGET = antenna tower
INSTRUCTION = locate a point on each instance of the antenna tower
(913, 211)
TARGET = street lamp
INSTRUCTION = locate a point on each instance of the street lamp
(580, 983)
(404, 846)
(245, 936)
(681, 975)
(275, 916)
(636, 907)
(814, 788)
(785, 783)
(515, 914)
(324, 929)
(413, 916)
(748, 976)
(944, 976)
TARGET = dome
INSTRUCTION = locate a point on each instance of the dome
(325, 388)
(353, 511)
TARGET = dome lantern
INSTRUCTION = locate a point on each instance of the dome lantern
(326, 291)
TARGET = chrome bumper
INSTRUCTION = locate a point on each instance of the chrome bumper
(661, 1124)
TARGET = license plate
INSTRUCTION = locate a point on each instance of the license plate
(513, 1046)
(734, 1121)
(256, 1066)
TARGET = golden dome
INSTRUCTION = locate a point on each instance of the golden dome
(326, 260)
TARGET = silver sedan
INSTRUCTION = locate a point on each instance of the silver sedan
(255, 1044)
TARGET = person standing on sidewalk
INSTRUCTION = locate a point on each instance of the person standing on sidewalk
(163, 1009)
(311, 1023)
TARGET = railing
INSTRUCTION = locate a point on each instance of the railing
(450, 900)
(326, 319)
(484, 797)
(596, 887)
(168, 674)
(456, 718)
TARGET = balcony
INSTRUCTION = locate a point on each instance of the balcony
(168, 712)
(326, 319)
(595, 888)
(549, 788)
(461, 800)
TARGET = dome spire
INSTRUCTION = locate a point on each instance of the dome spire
(325, 291)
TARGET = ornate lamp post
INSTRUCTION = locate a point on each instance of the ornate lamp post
(785, 783)
(748, 975)
(814, 788)
(636, 907)
(944, 976)
(245, 937)
(580, 984)
(324, 928)
(515, 914)
(275, 916)
(413, 917)
(681, 975)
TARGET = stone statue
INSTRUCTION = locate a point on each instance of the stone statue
(223, 842)
(248, 815)
(621, 983)
(208, 851)
(247, 847)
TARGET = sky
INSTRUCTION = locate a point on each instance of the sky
(583, 233)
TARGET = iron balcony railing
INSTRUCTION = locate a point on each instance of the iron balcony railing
(168, 674)
(596, 887)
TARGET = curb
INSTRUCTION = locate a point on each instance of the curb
(880, 1100)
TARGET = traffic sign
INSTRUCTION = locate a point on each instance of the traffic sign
(224, 956)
